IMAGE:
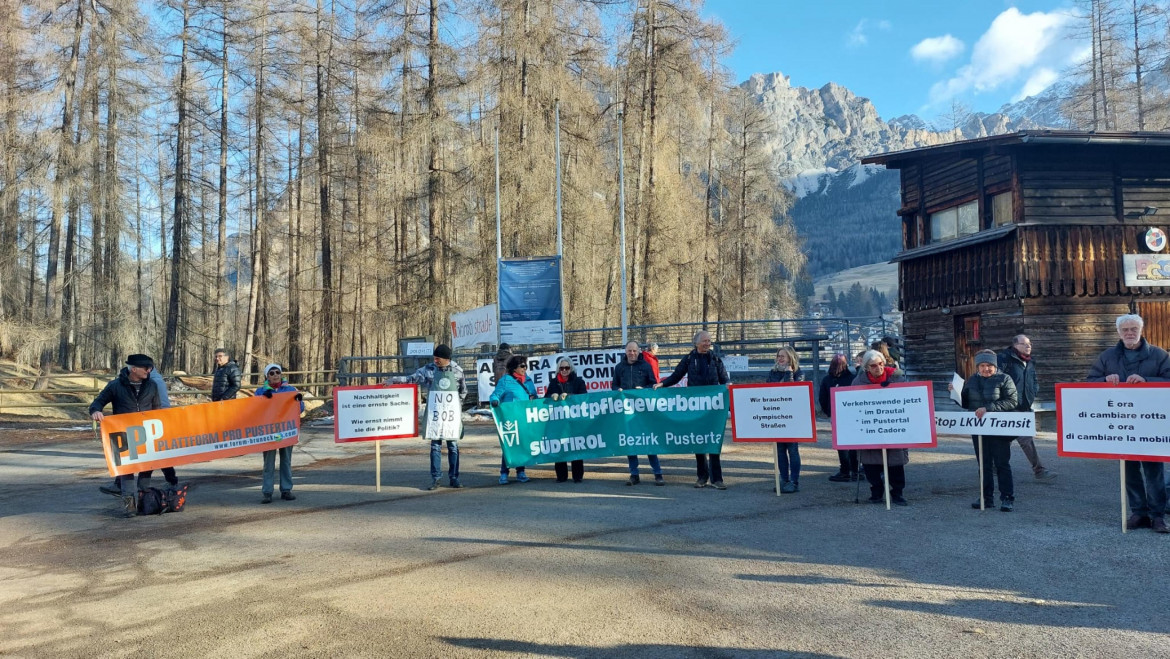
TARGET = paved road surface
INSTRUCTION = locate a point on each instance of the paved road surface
(563, 570)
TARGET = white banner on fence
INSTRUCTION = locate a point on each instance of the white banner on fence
(993, 424)
(595, 367)
(471, 328)
(896, 416)
(1113, 421)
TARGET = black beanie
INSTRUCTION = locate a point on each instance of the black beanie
(143, 361)
(443, 350)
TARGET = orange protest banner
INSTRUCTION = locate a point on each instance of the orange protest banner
(199, 433)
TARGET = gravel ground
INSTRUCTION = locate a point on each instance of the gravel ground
(595, 569)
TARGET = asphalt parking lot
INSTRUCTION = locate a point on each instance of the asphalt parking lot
(547, 569)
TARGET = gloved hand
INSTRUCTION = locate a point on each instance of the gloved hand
(495, 403)
(398, 379)
(268, 393)
(300, 396)
(532, 398)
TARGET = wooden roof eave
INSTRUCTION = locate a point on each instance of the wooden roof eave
(965, 241)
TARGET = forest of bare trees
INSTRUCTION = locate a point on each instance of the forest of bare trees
(1123, 83)
(301, 180)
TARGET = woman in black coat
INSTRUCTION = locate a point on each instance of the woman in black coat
(787, 369)
(562, 384)
(839, 376)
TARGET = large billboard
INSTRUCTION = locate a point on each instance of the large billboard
(530, 300)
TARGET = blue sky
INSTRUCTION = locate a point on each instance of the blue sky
(907, 56)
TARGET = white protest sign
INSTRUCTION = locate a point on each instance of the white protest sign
(375, 412)
(1122, 422)
(471, 328)
(444, 409)
(957, 389)
(776, 412)
(420, 349)
(595, 367)
(993, 424)
(900, 415)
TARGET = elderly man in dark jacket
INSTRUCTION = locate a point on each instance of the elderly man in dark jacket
(636, 373)
(1016, 362)
(1131, 361)
(226, 383)
(131, 391)
(702, 367)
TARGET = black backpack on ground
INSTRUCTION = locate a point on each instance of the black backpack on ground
(154, 501)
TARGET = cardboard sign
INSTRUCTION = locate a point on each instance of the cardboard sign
(1114, 421)
(993, 424)
(736, 363)
(199, 433)
(375, 412)
(900, 415)
(773, 412)
(444, 409)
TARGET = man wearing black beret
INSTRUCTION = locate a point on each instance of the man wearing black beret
(131, 391)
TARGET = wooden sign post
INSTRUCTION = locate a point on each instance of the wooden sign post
(896, 416)
(1113, 421)
(373, 413)
(773, 412)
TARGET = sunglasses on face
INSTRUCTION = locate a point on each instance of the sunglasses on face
(565, 368)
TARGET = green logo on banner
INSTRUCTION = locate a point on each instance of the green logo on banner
(600, 425)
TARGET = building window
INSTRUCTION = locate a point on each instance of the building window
(1001, 209)
(954, 222)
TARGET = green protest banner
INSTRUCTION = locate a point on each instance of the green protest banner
(608, 424)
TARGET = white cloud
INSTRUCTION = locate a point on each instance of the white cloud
(859, 36)
(937, 50)
(1032, 48)
(1040, 80)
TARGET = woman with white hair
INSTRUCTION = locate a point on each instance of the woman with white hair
(875, 372)
(563, 383)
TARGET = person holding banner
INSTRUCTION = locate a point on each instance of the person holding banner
(441, 375)
(634, 372)
(787, 369)
(274, 383)
(514, 385)
(839, 376)
(164, 398)
(876, 373)
(562, 384)
(702, 367)
(131, 391)
(1016, 362)
(1133, 360)
(990, 391)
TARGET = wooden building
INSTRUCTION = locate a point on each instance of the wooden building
(1027, 233)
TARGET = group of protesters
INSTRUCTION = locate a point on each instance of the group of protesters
(140, 388)
(1002, 382)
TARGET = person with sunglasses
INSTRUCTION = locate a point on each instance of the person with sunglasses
(514, 385)
(275, 383)
(563, 383)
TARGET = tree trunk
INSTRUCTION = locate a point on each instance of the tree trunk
(328, 304)
(179, 221)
